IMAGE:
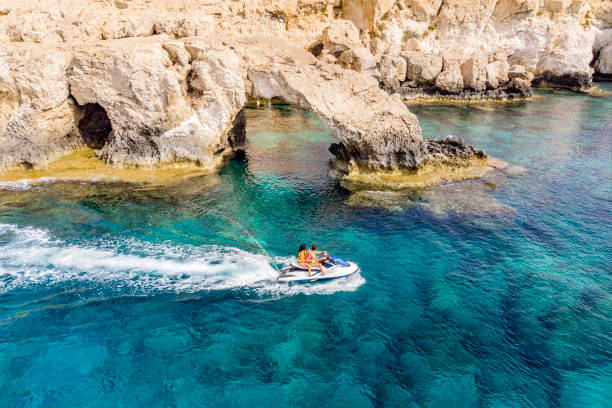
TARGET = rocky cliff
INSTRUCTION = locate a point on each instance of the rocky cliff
(155, 100)
(145, 82)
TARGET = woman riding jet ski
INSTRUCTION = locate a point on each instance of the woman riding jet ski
(308, 258)
(309, 268)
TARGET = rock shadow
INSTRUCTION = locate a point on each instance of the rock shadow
(94, 126)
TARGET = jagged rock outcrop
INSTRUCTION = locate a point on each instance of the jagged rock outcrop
(174, 101)
(422, 68)
(450, 150)
(554, 40)
(37, 120)
(339, 36)
(603, 65)
(340, 43)
(450, 80)
(167, 81)
(392, 70)
(375, 130)
(474, 72)
(365, 13)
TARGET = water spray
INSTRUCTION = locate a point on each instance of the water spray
(243, 228)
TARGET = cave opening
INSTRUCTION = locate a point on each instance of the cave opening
(94, 126)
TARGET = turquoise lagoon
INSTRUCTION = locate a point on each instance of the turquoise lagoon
(487, 293)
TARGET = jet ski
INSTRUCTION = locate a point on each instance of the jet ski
(335, 268)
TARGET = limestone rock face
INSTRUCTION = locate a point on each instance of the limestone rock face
(341, 35)
(40, 78)
(497, 74)
(375, 130)
(424, 9)
(519, 71)
(474, 72)
(160, 101)
(364, 13)
(31, 136)
(450, 149)
(141, 97)
(37, 121)
(604, 62)
(519, 85)
(422, 68)
(392, 70)
(358, 59)
(159, 105)
(177, 52)
(450, 80)
(340, 43)
(552, 39)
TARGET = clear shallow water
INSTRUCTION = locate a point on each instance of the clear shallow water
(484, 293)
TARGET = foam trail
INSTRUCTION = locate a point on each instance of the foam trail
(32, 257)
(24, 184)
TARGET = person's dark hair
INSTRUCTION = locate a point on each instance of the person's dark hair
(314, 248)
(302, 247)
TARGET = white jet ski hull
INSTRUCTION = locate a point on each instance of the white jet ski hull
(295, 273)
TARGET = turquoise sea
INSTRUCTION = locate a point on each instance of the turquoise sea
(487, 293)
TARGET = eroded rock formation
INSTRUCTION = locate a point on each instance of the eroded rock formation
(146, 82)
(179, 100)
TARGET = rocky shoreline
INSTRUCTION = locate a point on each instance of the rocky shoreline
(149, 83)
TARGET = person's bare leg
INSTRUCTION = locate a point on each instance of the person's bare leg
(307, 265)
(322, 268)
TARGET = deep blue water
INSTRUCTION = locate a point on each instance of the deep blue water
(489, 293)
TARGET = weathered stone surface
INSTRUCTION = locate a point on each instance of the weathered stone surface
(520, 86)
(450, 81)
(375, 130)
(31, 136)
(450, 149)
(519, 71)
(572, 80)
(39, 77)
(424, 9)
(604, 61)
(341, 35)
(497, 74)
(392, 70)
(136, 87)
(175, 94)
(177, 52)
(358, 59)
(378, 48)
(550, 38)
(131, 82)
(474, 72)
(422, 68)
(365, 13)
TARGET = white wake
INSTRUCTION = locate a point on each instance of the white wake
(31, 257)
